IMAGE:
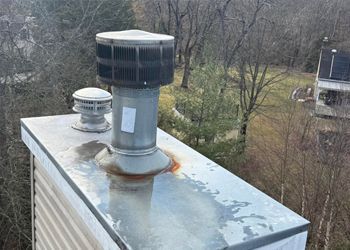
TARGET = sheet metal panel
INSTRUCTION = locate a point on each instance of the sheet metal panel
(76, 202)
(40, 237)
(62, 214)
(42, 206)
(45, 233)
(57, 225)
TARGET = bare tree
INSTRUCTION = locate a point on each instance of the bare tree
(236, 19)
(166, 17)
(180, 11)
(256, 78)
(200, 18)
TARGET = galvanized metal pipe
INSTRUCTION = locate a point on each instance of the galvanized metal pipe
(134, 129)
(135, 63)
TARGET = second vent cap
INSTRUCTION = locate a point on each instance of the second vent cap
(92, 104)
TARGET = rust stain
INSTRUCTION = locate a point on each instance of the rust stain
(112, 171)
(135, 177)
(175, 166)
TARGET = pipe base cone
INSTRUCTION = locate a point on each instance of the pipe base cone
(133, 166)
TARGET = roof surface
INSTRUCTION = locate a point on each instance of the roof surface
(199, 206)
(337, 68)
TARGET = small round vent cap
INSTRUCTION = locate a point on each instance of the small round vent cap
(92, 104)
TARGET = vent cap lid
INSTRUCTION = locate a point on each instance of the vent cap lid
(92, 94)
(133, 37)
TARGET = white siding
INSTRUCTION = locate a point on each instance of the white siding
(57, 225)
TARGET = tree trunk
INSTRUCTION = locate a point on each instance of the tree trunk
(284, 162)
(187, 71)
(328, 228)
(179, 47)
(320, 225)
(2, 119)
(199, 58)
(177, 41)
(243, 132)
(303, 198)
(324, 211)
(179, 62)
(282, 193)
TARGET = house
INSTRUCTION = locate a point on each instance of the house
(332, 87)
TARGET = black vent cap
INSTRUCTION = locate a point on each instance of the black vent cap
(135, 58)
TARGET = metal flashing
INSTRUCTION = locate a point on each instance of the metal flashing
(95, 222)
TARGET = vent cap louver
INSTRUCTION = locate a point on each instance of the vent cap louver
(134, 58)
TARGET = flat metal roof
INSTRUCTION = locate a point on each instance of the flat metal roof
(199, 206)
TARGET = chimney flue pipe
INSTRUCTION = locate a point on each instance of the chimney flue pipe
(135, 63)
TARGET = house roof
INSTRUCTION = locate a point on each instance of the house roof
(334, 65)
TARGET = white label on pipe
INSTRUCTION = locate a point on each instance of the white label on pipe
(128, 120)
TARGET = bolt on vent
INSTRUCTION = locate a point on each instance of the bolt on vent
(92, 104)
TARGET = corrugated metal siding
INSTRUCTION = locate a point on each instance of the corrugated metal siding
(57, 225)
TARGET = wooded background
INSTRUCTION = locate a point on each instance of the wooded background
(237, 63)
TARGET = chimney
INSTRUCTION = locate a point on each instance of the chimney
(136, 64)
(197, 204)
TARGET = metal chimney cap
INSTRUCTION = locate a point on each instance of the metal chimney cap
(89, 94)
(135, 59)
(134, 37)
